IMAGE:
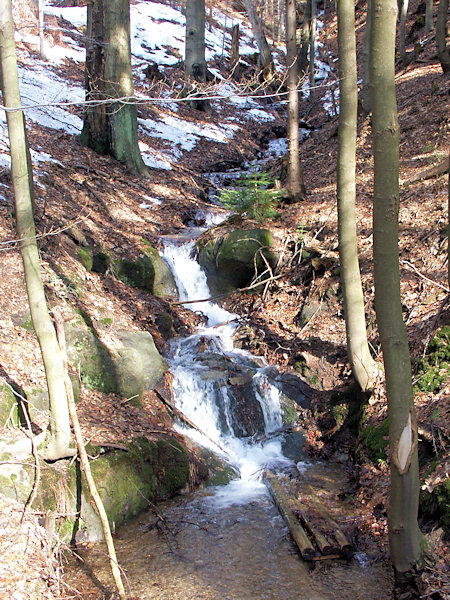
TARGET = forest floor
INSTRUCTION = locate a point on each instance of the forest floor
(91, 197)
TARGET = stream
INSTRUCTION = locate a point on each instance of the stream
(229, 542)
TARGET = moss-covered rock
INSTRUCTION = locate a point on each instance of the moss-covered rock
(231, 260)
(164, 285)
(126, 481)
(86, 259)
(90, 358)
(135, 367)
(148, 272)
(375, 440)
(139, 365)
(9, 408)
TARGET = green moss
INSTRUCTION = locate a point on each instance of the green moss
(85, 257)
(374, 440)
(433, 368)
(28, 322)
(106, 321)
(289, 411)
(136, 273)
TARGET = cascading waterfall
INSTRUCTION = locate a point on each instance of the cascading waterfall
(201, 362)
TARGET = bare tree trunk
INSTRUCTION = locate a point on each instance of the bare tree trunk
(404, 533)
(195, 63)
(402, 32)
(234, 55)
(304, 41)
(428, 16)
(312, 50)
(42, 43)
(58, 438)
(295, 185)
(363, 366)
(264, 49)
(365, 93)
(441, 33)
(110, 128)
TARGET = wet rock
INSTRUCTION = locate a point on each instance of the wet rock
(231, 260)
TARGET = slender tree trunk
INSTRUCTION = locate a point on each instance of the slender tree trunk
(363, 366)
(110, 128)
(195, 63)
(441, 33)
(295, 185)
(234, 55)
(429, 16)
(312, 50)
(42, 43)
(57, 442)
(304, 41)
(365, 94)
(404, 533)
(402, 32)
(261, 41)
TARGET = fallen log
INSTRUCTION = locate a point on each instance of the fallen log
(307, 495)
(316, 526)
(282, 501)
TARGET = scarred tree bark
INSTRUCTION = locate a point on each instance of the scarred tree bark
(56, 444)
(295, 184)
(110, 128)
(404, 533)
(363, 366)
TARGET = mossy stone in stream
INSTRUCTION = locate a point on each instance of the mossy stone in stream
(230, 259)
(148, 272)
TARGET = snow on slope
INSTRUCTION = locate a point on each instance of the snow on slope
(157, 36)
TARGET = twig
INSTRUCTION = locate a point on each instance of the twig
(439, 285)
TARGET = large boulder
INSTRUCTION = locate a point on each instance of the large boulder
(134, 367)
(149, 470)
(232, 259)
(148, 272)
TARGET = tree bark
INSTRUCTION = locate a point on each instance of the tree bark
(295, 184)
(110, 128)
(42, 43)
(265, 53)
(365, 93)
(428, 16)
(404, 533)
(58, 438)
(312, 50)
(304, 41)
(362, 364)
(441, 32)
(195, 63)
(402, 32)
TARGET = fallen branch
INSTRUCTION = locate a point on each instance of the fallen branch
(237, 291)
(84, 460)
(439, 285)
(434, 171)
